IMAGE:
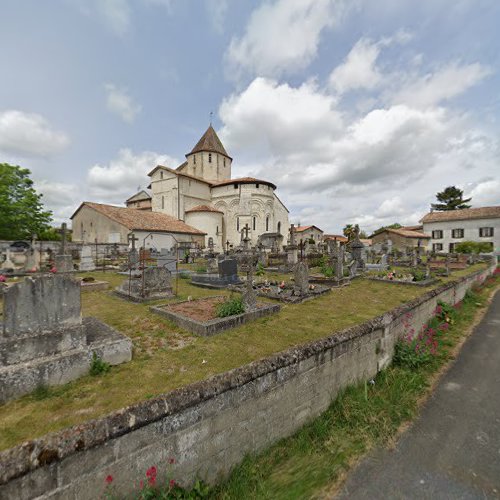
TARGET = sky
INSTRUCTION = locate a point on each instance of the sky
(360, 111)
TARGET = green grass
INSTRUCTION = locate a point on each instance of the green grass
(311, 463)
(166, 357)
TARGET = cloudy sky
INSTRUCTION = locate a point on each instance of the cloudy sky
(359, 110)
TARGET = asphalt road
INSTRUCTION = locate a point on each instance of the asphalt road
(453, 449)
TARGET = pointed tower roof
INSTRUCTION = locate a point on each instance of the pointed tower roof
(210, 142)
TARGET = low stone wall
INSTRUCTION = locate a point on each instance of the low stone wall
(209, 426)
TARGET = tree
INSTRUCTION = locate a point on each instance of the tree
(450, 199)
(474, 247)
(21, 208)
(349, 231)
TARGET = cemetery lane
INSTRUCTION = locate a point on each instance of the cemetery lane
(453, 449)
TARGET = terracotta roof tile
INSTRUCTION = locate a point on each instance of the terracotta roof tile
(210, 142)
(464, 214)
(300, 229)
(204, 208)
(408, 234)
(336, 237)
(140, 220)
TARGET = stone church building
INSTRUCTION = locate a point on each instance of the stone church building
(202, 194)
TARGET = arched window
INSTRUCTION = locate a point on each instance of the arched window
(237, 223)
(194, 159)
(161, 175)
(210, 242)
(224, 162)
(217, 231)
(267, 223)
(209, 157)
(163, 202)
(254, 223)
(279, 227)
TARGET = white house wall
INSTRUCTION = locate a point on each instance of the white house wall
(471, 232)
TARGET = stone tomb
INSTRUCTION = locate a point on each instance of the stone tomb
(227, 275)
(44, 340)
(86, 260)
(153, 283)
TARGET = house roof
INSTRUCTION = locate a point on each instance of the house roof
(405, 233)
(139, 220)
(204, 208)
(141, 195)
(300, 229)
(210, 142)
(243, 180)
(366, 241)
(418, 227)
(181, 166)
(464, 214)
(176, 172)
(335, 237)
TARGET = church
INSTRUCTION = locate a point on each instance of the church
(201, 194)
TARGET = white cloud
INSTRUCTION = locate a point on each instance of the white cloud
(380, 167)
(359, 68)
(444, 84)
(119, 179)
(29, 134)
(118, 101)
(275, 119)
(486, 193)
(62, 198)
(282, 36)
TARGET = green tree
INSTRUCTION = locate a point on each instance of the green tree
(350, 229)
(21, 210)
(451, 198)
(474, 247)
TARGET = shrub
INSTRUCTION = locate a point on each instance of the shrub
(260, 270)
(201, 269)
(418, 275)
(184, 276)
(326, 270)
(473, 247)
(230, 307)
(98, 366)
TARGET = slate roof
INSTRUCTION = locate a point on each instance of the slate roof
(464, 214)
(210, 142)
(139, 220)
(244, 180)
(204, 208)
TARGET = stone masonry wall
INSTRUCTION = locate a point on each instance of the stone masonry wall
(209, 426)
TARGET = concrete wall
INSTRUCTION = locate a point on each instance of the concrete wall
(211, 222)
(471, 232)
(209, 426)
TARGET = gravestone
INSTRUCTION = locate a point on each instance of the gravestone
(45, 341)
(62, 261)
(339, 263)
(153, 283)
(353, 268)
(167, 259)
(86, 260)
(228, 270)
(212, 266)
(301, 278)
(357, 247)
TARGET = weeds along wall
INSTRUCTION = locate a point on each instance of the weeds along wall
(208, 427)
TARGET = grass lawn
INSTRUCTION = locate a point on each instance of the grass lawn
(166, 357)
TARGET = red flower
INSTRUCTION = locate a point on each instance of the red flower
(109, 479)
(171, 484)
(151, 475)
(171, 460)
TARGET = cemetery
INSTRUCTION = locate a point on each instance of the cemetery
(156, 324)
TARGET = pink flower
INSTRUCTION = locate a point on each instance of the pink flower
(109, 479)
(171, 484)
(151, 475)
(3, 279)
(53, 270)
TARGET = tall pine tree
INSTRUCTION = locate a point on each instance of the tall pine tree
(451, 198)
(21, 211)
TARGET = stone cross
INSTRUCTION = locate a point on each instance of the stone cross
(246, 239)
(132, 238)
(292, 234)
(63, 239)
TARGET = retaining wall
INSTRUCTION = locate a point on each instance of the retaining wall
(209, 426)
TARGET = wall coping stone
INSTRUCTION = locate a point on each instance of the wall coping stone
(30, 455)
